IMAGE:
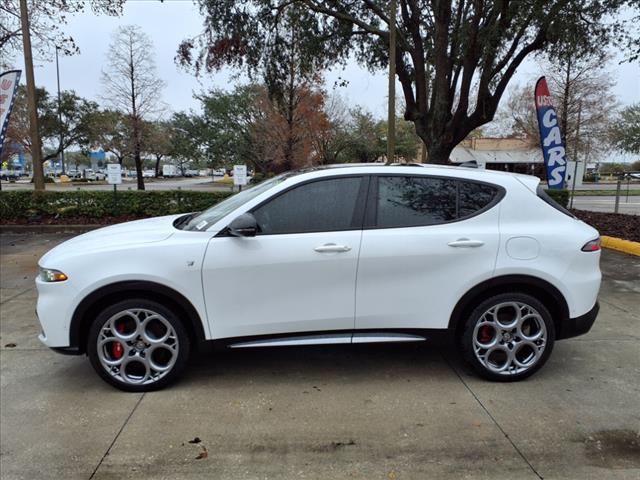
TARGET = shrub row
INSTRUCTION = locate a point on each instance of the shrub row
(97, 204)
(560, 196)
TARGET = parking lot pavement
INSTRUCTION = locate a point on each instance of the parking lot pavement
(387, 412)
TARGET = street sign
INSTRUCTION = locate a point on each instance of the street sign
(240, 175)
(114, 173)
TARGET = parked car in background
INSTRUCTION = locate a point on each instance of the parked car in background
(486, 256)
(148, 173)
(191, 173)
(169, 171)
(90, 174)
(9, 175)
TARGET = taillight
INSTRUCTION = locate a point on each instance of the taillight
(592, 246)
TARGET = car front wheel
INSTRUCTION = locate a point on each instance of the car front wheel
(508, 337)
(138, 345)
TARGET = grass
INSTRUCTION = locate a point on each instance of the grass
(633, 191)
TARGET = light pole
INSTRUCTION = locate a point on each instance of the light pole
(60, 113)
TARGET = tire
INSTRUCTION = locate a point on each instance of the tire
(138, 345)
(501, 345)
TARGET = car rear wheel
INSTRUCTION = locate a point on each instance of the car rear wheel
(138, 345)
(508, 337)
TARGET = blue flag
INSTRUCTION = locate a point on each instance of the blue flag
(553, 148)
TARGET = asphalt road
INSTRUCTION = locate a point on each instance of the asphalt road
(193, 183)
(366, 412)
(630, 205)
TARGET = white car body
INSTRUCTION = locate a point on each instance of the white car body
(387, 279)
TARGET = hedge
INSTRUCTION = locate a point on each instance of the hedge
(560, 196)
(97, 204)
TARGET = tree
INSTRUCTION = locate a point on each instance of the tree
(331, 137)
(156, 141)
(454, 59)
(365, 144)
(582, 90)
(111, 131)
(131, 85)
(46, 20)
(75, 122)
(228, 125)
(625, 131)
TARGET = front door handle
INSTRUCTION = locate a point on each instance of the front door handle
(332, 247)
(466, 243)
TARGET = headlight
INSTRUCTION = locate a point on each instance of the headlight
(50, 275)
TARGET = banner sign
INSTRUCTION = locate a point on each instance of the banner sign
(8, 87)
(553, 148)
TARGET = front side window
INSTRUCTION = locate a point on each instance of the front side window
(320, 206)
(406, 201)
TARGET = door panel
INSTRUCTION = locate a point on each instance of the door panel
(279, 283)
(411, 276)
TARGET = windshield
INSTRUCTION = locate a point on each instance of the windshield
(203, 220)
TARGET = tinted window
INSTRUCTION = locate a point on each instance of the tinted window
(414, 201)
(474, 197)
(326, 205)
(420, 201)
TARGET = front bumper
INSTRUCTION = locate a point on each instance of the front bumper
(573, 327)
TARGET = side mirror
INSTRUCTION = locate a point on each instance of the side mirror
(244, 226)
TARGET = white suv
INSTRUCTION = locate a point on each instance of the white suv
(349, 254)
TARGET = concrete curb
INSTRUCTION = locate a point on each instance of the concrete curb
(625, 246)
(26, 229)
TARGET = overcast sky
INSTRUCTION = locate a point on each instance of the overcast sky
(170, 22)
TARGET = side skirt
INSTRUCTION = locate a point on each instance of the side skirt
(330, 339)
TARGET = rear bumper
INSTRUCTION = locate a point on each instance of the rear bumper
(579, 325)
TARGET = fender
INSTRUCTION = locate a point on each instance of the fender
(543, 290)
(99, 298)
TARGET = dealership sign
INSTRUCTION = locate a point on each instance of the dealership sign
(8, 88)
(553, 148)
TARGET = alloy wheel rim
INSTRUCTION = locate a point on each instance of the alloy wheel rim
(137, 346)
(510, 338)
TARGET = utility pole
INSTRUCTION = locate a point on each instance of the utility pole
(60, 114)
(575, 155)
(36, 154)
(391, 118)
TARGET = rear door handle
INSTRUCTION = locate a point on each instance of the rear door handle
(332, 247)
(466, 243)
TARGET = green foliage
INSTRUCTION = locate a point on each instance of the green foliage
(560, 196)
(454, 58)
(625, 133)
(613, 168)
(97, 204)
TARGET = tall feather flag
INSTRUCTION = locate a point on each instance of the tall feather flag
(553, 148)
(8, 87)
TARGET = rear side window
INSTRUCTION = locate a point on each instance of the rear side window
(473, 197)
(414, 201)
(321, 206)
(406, 201)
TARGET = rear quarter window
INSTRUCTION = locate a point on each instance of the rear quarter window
(413, 201)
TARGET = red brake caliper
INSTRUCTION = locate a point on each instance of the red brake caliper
(117, 350)
(485, 334)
